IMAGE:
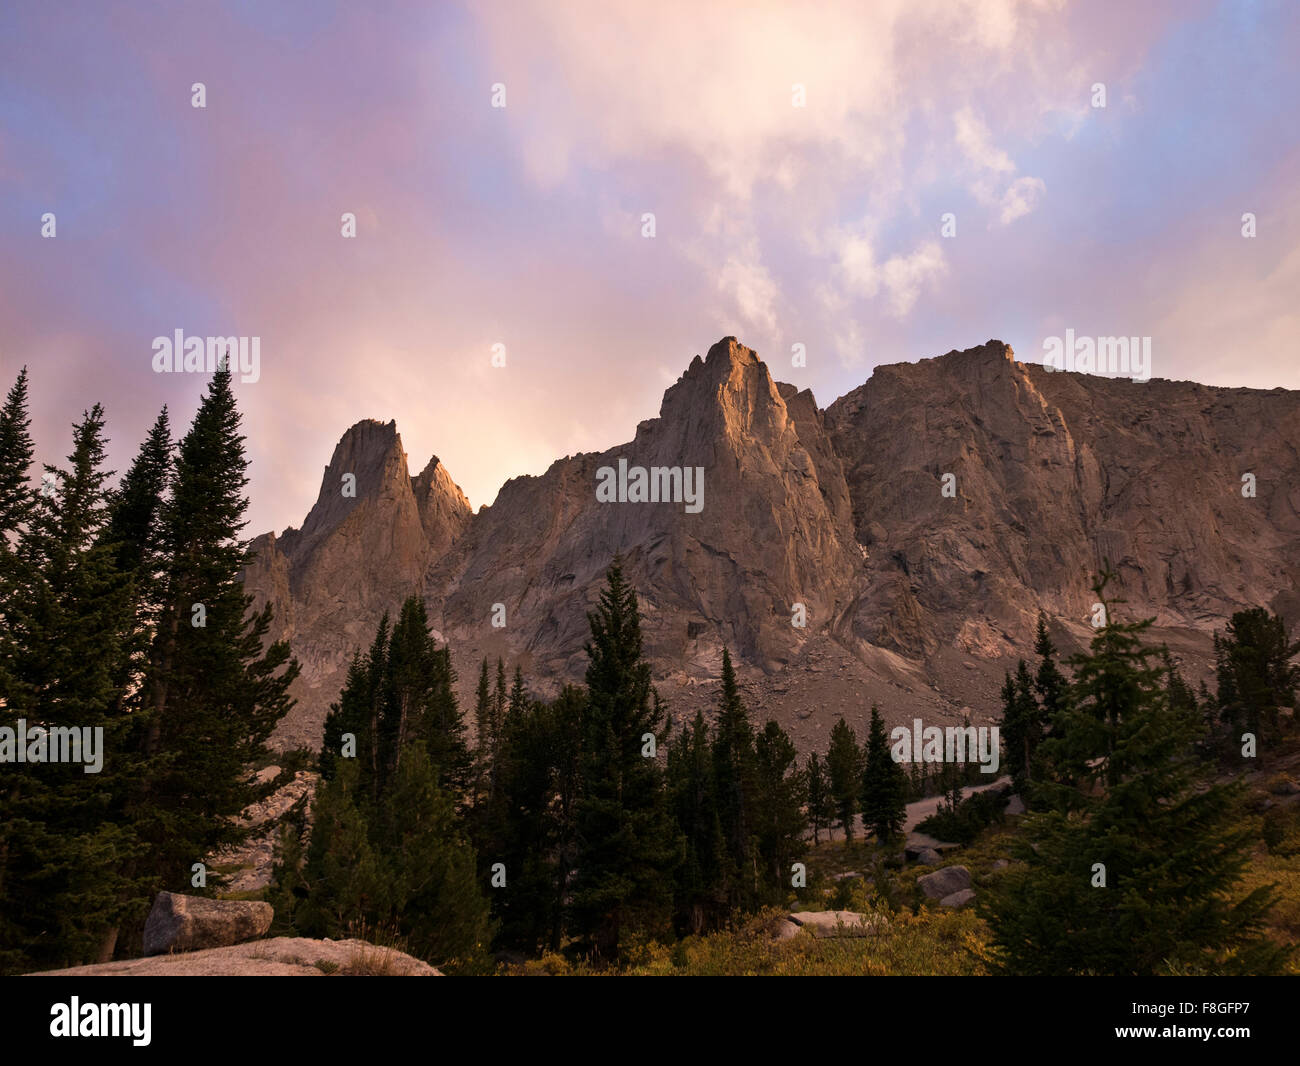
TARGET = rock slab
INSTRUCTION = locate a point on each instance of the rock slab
(827, 925)
(283, 956)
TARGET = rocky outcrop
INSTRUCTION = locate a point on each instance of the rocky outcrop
(277, 957)
(249, 865)
(914, 597)
(194, 923)
(826, 925)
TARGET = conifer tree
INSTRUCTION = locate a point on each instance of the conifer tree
(213, 692)
(884, 785)
(821, 804)
(1257, 676)
(1022, 726)
(66, 612)
(16, 496)
(432, 897)
(700, 894)
(629, 847)
(134, 534)
(1131, 867)
(1050, 685)
(844, 767)
(779, 822)
(733, 778)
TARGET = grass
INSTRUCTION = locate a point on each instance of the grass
(946, 943)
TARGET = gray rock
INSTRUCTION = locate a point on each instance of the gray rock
(785, 930)
(276, 957)
(944, 882)
(829, 924)
(958, 899)
(193, 923)
(1015, 805)
(928, 857)
(1001, 864)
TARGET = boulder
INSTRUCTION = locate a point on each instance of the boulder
(785, 930)
(958, 899)
(928, 857)
(194, 923)
(829, 924)
(944, 882)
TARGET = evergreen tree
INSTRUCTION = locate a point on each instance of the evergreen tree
(779, 822)
(1050, 685)
(844, 767)
(628, 846)
(1256, 676)
(212, 692)
(884, 785)
(733, 776)
(821, 803)
(1132, 808)
(66, 612)
(1022, 726)
(700, 895)
(16, 496)
(134, 534)
(433, 898)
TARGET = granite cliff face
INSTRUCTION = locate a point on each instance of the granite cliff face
(916, 596)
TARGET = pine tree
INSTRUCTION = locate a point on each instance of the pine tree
(1133, 809)
(344, 888)
(16, 496)
(733, 775)
(487, 731)
(1256, 676)
(1022, 726)
(629, 848)
(67, 619)
(134, 534)
(844, 766)
(433, 898)
(700, 895)
(213, 691)
(1050, 685)
(884, 785)
(821, 804)
(779, 822)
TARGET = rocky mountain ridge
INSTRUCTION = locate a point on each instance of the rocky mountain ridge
(918, 524)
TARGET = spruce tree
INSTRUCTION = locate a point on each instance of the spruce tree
(779, 822)
(213, 692)
(1022, 726)
(1257, 677)
(67, 622)
(844, 767)
(629, 848)
(821, 804)
(1050, 685)
(1132, 865)
(134, 534)
(16, 496)
(733, 775)
(431, 894)
(700, 896)
(884, 785)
